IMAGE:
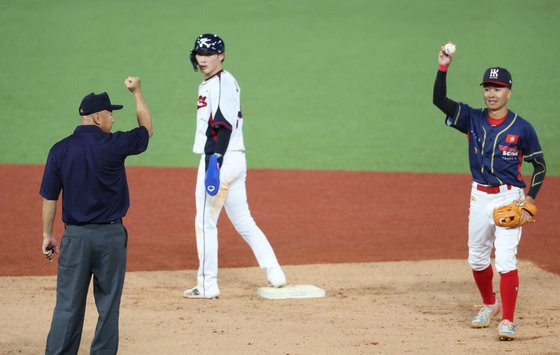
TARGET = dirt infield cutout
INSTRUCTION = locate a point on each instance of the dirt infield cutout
(421, 307)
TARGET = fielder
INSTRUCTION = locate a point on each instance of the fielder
(498, 140)
(222, 170)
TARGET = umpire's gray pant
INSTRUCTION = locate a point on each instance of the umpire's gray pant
(98, 250)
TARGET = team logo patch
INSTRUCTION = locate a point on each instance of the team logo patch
(204, 42)
(494, 73)
(201, 102)
(512, 138)
(508, 151)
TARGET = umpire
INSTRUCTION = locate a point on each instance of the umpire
(88, 166)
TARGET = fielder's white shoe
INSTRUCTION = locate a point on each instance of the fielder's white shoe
(196, 293)
(506, 330)
(484, 316)
(276, 277)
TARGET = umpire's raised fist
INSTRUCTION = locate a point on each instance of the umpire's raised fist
(132, 83)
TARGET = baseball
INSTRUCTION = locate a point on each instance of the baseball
(449, 48)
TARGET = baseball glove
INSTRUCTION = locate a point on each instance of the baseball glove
(511, 215)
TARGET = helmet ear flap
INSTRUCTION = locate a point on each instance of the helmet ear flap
(194, 62)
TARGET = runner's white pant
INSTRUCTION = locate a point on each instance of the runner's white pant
(233, 196)
(483, 233)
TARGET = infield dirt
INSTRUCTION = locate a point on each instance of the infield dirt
(419, 307)
(366, 238)
(310, 217)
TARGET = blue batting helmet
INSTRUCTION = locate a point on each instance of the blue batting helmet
(206, 43)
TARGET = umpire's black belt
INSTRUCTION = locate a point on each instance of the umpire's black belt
(116, 221)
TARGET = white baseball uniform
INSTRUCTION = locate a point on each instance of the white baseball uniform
(484, 234)
(219, 104)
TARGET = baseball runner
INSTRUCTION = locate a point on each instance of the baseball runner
(498, 141)
(219, 141)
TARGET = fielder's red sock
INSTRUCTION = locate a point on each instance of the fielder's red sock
(509, 283)
(483, 280)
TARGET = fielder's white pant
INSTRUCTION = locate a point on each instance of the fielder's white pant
(483, 233)
(233, 196)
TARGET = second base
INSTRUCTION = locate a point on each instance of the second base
(291, 291)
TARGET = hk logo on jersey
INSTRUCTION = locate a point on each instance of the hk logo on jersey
(512, 138)
(201, 102)
(494, 73)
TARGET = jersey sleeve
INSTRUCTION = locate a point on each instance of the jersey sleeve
(529, 144)
(131, 142)
(440, 99)
(51, 185)
(225, 110)
(461, 119)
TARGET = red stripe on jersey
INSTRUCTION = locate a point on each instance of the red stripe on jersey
(222, 124)
(519, 177)
(214, 133)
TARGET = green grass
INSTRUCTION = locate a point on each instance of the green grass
(325, 84)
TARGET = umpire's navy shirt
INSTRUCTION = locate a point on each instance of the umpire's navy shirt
(88, 166)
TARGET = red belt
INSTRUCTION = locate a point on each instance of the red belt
(490, 189)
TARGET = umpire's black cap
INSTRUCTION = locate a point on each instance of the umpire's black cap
(93, 103)
(497, 76)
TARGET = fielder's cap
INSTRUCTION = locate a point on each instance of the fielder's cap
(93, 103)
(497, 76)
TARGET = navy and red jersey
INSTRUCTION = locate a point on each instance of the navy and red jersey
(496, 152)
